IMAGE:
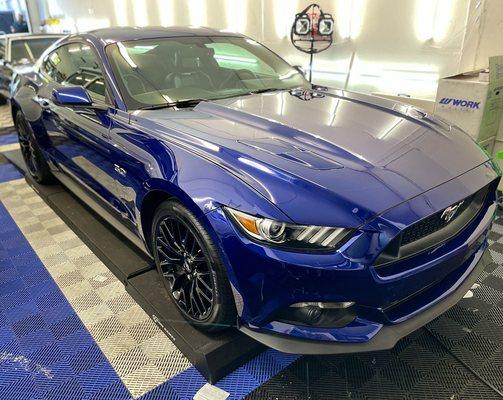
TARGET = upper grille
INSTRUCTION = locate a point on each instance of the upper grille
(431, 231)
(432, 224)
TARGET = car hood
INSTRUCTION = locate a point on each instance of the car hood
(348, 156)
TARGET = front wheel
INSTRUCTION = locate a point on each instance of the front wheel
(32, 154)
(191, 268)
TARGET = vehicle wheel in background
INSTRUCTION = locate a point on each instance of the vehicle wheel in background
(35, 162)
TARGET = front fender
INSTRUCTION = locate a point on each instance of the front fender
(202, 186)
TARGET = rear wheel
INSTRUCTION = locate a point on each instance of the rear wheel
(35, 162)
(191, 269)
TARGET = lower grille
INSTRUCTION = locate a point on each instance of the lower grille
(433, 230)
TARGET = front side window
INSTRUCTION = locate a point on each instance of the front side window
(168, 70)
(29, 50)
(76, 64)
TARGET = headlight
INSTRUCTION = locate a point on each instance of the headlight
(295, 237)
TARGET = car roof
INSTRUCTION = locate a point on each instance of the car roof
(35, 36)
(119, 34)
(14, 35)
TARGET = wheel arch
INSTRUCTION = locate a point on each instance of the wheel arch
(158, 192)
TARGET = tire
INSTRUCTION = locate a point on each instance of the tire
(188, 263)
(36, 164)
(3, 100)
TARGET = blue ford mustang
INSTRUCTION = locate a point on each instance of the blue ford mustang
(315, 220)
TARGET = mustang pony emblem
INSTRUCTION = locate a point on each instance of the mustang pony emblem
(451, 211)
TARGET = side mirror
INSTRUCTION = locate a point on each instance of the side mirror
(72, 96)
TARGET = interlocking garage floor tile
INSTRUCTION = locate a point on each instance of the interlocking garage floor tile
(41, 338)
(449, 359)
(123, 332)
(76, 295)
(5, 117)
(69, 330)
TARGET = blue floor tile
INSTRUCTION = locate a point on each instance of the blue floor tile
(8, 173)
(45, 350)
(8, 138)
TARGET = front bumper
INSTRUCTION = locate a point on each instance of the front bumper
(266, 281)
(388, 335)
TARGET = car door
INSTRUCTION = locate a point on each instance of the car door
(5, 70)
(79, 136)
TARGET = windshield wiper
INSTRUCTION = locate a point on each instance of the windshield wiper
(265, 90)
(195, 102)
(178, 104)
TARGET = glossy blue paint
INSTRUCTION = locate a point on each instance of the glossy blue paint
(72, 95)
(330, 158)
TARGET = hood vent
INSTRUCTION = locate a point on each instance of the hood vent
(292, 153)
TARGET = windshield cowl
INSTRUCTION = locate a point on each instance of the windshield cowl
(188, 103)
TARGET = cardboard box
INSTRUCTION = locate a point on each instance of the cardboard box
(474, 102)
(488, 145)
(461, 99)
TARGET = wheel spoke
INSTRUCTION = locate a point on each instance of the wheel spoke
(163, 254)
(193, 247)
(166, 246)
(185, 268)
(183, 298)
(185, 238)
(199, 279)
(171, 236)
(193, 293)
(201, 293)
(180, 241)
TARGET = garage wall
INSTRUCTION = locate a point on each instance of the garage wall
(486, 39)
(395, 46)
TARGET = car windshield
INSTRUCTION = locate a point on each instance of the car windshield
(166, 71)
(29, 50)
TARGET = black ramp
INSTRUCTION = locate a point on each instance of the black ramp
(214, 355)
(123, 259)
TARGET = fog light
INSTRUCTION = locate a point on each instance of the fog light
(319, 314)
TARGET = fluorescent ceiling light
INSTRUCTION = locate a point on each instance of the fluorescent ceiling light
(121, 17)
(140, 13)
(432, 19)
(236, 15)
(284, 15)
(349, 15)
(197, 10)
(166, 12)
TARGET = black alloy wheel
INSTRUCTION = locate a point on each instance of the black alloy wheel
(185, 267)
(191, 269)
